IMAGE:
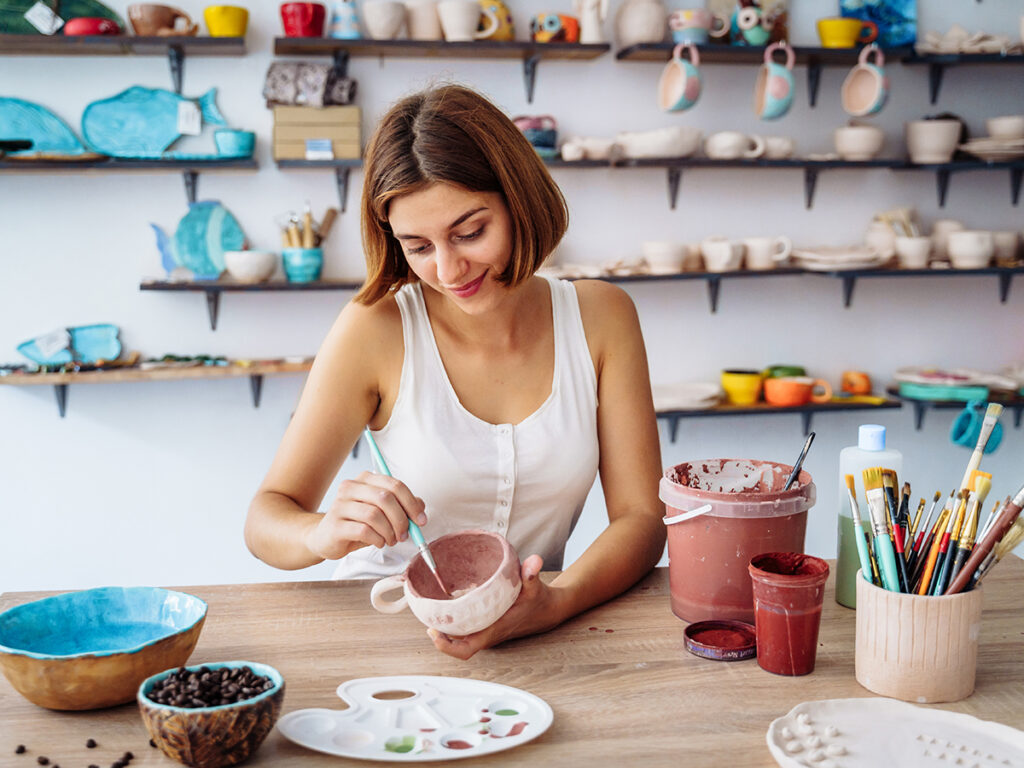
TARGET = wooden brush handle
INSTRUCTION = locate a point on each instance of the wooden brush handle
(1002, 524)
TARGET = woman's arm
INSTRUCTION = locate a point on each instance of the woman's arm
(341, 396)
(630, 468)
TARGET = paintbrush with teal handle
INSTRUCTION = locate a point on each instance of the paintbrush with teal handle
(414, 530)
(884, 552)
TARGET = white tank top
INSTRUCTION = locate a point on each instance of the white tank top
(526, 481)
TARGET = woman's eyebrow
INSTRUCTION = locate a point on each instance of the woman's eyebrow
(454, 224)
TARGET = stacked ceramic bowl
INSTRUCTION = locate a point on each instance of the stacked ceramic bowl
(1004, 142)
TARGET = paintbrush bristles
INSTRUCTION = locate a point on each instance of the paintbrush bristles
(872, 478)
(994, 410)
(851, 485)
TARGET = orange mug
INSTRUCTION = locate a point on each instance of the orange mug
(796, 390)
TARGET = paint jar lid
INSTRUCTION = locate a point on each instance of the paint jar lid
(721, 640)
(871, 437)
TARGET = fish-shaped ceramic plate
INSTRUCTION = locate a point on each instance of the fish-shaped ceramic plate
(141, 123)
(13, 21)
(50, 136)
(83, 344)
(202, 236)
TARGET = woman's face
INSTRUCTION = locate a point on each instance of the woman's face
(456, 241)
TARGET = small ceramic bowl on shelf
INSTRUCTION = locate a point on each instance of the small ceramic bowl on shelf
(250, 266)
(302, 265)
(212, 736)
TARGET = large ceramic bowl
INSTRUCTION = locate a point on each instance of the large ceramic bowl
(210, 737)
(91, 649)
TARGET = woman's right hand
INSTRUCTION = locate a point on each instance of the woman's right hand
(370, 510)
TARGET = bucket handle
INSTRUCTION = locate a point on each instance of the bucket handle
(686, 515)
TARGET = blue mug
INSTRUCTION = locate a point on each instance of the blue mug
(302, 265)
(694, 35)
(773, 92)
(680, 83)
(866, 88)
(233, 143)
(966, 427)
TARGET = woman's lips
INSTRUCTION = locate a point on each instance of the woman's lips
(468, 289)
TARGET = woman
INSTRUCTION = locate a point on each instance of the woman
(495, 394)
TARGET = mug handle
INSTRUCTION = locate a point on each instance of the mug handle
(825, 394)
(492, 17)
(780, 46)
(871, 29)
(719, 25)
(867, 51)
(787, 248)
(388, 584)
(677, 53)
(191, 27)
(758, 149)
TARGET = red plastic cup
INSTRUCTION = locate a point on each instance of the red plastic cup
(303, 19)
(788, 593)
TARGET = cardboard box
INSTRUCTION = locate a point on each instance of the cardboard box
(296, 150)
(347, 133)
(294, 125)
(348, 115)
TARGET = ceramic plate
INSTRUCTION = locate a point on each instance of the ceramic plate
(869, 732)
(698, 394)
(840, 266)
(445, 718)
(834, 254)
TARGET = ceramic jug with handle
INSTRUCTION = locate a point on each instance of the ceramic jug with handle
(505, 31)
(344, 21)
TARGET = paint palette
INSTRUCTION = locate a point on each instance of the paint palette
(418, 718)
(865, 733)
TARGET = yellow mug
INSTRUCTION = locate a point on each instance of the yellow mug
(846, 32)
(742, 387)
(226, 20)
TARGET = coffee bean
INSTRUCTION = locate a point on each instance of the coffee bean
(93, 765)
(151, 743)
(128, 756)
(91, 744)
(209, 687)
(43, 760)
(20, 749)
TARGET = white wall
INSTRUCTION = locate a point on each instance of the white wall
(149, 482)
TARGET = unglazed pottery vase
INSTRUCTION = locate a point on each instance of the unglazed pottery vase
(481, 562)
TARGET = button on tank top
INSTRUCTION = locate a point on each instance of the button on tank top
(526, 481)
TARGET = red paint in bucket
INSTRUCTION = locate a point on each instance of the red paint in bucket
(751, 514)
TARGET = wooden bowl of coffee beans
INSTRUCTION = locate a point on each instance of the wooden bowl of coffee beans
(211, 715)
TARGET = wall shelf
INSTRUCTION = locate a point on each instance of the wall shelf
(815, 59)
(531, 54)
(761, 409)
(714, 279)
(944, 170)
(189, 169)
(341, 168)
(849, 277)
(921, 407)
(60, 381)
(937, 64)
(214, 288)
(811, 168)
(174, 48)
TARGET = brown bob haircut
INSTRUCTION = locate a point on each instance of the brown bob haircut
(453, 135)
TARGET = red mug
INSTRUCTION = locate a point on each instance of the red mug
(303, 19)
(91, 25)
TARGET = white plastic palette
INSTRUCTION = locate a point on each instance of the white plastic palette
(445, 718)
(872, 732)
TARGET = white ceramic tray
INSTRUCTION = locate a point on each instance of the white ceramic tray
(445, 718)
(875, 732)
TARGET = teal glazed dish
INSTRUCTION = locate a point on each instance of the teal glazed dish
(302, 265)
(92, 649)
(234, 143)
(211, 737)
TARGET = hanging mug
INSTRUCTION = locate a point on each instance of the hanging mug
(866, 88)
(966, 427)
(680, 83)
(773, 92)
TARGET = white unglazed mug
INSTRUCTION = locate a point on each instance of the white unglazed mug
(460, 19)
(482, 562)
(721, 254)
(766, 252)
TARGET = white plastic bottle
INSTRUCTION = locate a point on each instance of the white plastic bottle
(870, 451)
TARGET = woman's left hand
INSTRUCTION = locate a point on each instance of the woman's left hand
(532, 612)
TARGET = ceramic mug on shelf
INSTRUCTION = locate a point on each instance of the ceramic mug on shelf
(383, 19)
(741, 386)
(858, 142)
(344, 21)
(970, 249)
(766, 252)
(789, 391)
(913, 252)
(773, 91)
(303, 19)
(691, 25)
(234, 143)
(730, 145)
(1006, 243)
(846, 33)
(932, 141)
(680, 83)
(941, 231)
(778, 370)
(721, 254)
(866, 88)
(149, 19)
(422, 20)
(460, 20)
(226, 20)
(778, 147)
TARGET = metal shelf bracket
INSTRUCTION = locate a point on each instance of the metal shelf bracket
(341, 174)
(61, 393)
(256, 384)
(935, 72)
(1016, 174)
(675, 174)
(810, 182)
(176, 59)
(1004, 286)
(530, 75)
(191, 184)
(213, 307)
(714, 284)
(849, 283)
(942, 183)
(813, 79)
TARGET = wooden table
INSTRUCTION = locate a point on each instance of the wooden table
(623, 689)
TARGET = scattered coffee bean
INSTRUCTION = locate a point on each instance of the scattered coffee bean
(152, 744)
(93, 765)
(117, 764)
(43, 760)
(128, 756)
(207, 687)
(91, 744)
(20, 749)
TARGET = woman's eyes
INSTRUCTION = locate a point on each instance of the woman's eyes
(460, 238)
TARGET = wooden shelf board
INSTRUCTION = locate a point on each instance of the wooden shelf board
(761, 409)
(858, 273)
(220, 286)
(480, 49)
(792, 162)
(121, 164)
(738, 273)
(913, 58)
(745, 54)
(338, 163)
(118, 45)
(155, 374)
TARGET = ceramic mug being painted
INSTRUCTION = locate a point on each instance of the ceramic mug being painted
(773, 91)
(866, 88)
(680, 83)
(480, 567)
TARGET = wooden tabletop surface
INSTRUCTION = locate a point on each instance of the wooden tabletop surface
(623, 688)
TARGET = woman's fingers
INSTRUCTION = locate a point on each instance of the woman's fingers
(413, 505)
(379, 506)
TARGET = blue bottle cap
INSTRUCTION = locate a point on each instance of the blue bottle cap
(871, 437)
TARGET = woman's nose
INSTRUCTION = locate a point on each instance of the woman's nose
(449, 266)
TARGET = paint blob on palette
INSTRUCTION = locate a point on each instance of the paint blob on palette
(419, 718)
(871, 732)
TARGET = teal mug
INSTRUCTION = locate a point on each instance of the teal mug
(302, 265)
(866, 88)
(680, 83)
(234, 143)
(773, 91)
(966, 427)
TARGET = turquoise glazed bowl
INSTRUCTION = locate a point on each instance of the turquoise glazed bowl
(302, 265)
(233, 143)
(210, 737)
(91, 649)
